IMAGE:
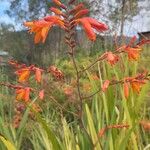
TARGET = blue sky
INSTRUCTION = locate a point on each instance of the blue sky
(141, 22)
(4, 5)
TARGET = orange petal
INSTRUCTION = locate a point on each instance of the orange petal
(56, 11)
(126, 89)
(27, 94)
(20, 94)
(112, 58)
(38, 74)
(44, 33)
(28, 24)
(41, 94)
(38, 37)
(136, 87)
(81, 13)
(96, 24)
(88, 29)
(57, 2)
(133, 53)
(23, 77)
(105, 85)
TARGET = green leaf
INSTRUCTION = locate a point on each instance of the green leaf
(7, 143)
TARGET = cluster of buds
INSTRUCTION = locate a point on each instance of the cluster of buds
(19, 110)
(57, 73)
(117, 126)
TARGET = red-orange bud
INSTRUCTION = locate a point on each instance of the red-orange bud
(41, 94)
(81, 13)
(105, 85)
(126, 89)
(77, 8)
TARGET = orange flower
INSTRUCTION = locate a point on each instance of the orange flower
(23, 94)
(137, 85)
(41, 27)
(88, 25)
(38, 74)
(135, 82)
(23, 74)
(105, 85)
(20, 94)
(133, 52)
(111, 58)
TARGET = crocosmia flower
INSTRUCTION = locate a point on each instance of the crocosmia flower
(23, 74)
(137, 85)
(89, 24)
(23, 94)
(42, 27)
(112, 58)
(38, 74)
(133, 52)
(105, 85)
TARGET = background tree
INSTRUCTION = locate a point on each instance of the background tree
(115, 12)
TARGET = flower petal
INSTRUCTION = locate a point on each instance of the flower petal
(126, 89)
(38, 74)
(105, 85)
(41, 94)
(96, 24)
(88, 28)
(27, 94)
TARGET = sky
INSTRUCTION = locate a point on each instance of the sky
(140, 23)
(4, 5)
